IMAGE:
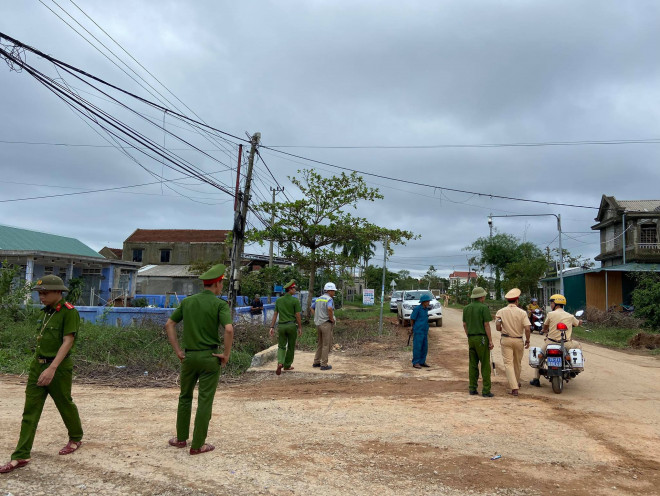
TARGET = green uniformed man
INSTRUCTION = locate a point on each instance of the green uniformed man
(476, 323)
(203, 314)
(51, 372)
(288, 307)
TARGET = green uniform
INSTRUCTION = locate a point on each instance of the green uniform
(287, 307)
(475, 315)
(57, 321)
(203, 315)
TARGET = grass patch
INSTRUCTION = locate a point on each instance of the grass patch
(104, 351)
(612, 337)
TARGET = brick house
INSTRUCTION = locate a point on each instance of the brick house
(175, 246)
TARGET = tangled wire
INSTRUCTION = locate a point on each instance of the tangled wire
(11, 53)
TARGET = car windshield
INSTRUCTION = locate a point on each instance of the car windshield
(396, 294)
(416, 295)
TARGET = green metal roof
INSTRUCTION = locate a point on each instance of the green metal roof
(15, 239)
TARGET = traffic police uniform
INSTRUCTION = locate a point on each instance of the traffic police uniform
(57, 321)
(203, 314)
(475, 315)
(554, 336)
(514, 320)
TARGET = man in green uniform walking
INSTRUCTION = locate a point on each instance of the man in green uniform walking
(203, 314)
(476, 323)
(288, 307)
(51, 372)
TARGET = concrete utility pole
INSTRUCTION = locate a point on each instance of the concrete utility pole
(240, 217)
(272, 223)
(382, 288)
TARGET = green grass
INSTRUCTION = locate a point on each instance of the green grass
(613, 337)
(100, 349)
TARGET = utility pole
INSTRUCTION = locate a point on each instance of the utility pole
(240, 217)
(272, 223)
(382, 288)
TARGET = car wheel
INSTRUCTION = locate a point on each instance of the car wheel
(438, 323)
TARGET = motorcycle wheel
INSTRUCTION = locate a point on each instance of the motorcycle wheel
(557, 384)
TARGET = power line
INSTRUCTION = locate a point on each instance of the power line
(70, 68)
(479, 145)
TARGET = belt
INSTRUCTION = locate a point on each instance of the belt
(553, 340)
(470, 335)
(287, 322)
(203, 349)
(514, 337)
(43, 359)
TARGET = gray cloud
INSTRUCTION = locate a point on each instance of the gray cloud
(346, 73)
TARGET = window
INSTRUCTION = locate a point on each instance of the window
(48, 270)
(648, 234)
(137, 254)
(165, 256)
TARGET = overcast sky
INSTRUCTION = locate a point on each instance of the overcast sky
(340, 73)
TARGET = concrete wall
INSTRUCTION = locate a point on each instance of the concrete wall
(181, 254)
(119, 317)
(161, 285)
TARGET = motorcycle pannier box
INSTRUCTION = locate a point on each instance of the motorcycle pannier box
(577, 361)
(535, 356)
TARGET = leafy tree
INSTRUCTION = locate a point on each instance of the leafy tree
(569, 260)
(14, 293)
(529, 267)
(76, 286)
(646, 298)
(497, 251)
(309, 227)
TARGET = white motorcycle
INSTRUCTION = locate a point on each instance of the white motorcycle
(558, 365)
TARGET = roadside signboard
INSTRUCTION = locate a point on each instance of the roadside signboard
(368, 297)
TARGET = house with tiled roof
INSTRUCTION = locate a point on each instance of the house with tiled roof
(629, 231)
(462, 276)
(629, 244)
(39, 254)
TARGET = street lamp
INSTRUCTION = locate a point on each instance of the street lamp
(561, 251)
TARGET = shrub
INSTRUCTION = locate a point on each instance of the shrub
(646, 299)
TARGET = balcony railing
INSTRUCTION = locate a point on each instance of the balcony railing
(649, 246)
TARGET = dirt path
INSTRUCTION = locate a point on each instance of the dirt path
(374, 426)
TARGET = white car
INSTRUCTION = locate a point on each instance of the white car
(396, 295)
(410, 299)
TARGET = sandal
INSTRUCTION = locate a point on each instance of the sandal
(70, 447)
(417, 366)
(176, 443)
(279, 369)
(514, 393)
(204, 449)
(5, 469)
(287, 368)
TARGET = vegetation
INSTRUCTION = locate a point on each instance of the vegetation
(311, 226)
(646, 299)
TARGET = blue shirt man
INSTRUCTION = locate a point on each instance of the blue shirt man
(419, 320)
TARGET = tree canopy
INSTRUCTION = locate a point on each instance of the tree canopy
(310, 226)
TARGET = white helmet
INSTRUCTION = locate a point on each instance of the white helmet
(329, 286)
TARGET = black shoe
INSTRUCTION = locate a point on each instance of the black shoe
(488, 395)
(326, 367)
(473, 393)
(425, 364)
(316, 365)
(535, 382)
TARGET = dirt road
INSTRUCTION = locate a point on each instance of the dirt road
(374, 426)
